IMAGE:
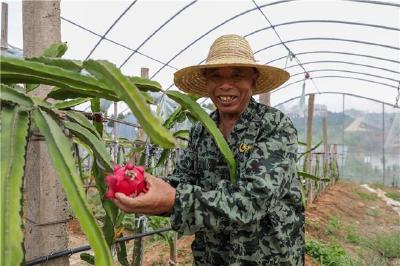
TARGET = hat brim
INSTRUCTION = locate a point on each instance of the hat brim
(191, 80)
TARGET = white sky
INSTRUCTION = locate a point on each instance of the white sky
(144, 17)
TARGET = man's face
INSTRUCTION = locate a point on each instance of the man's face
(230, 88)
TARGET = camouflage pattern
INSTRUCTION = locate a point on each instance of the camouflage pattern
(261, 220)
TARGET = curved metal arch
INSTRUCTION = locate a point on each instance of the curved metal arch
(344, 77)
(329, 39)
(336, 52)
(341, 93)
(323, 21)
(114, 42)
(345, 71)
(216, 27)
(343, 62)
(110, 28)
(241, 14)
(374, 2)
(157, 30)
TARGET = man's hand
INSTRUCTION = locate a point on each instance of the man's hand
(159, 199)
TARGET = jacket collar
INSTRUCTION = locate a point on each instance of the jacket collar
(246, 117)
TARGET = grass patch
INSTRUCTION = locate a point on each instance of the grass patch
(329, 254)
(393, 195)
(313, 224)
(373, 212)
(333, 225)
(366, 196)
(352, 236)
(387, 244)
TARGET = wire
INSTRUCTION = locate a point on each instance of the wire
(344, 77)
(109, 29)
(284, 44)
(116, 43)
(347, 63)
(157, 30)
(347, 71)
(337, 52)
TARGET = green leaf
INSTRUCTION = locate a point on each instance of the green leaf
(128, 92)
(60, 152)
(71, 103)
(10, 94)
(96, 145)
(24, 71)
(310, 150)
(163, 157)
(87, 258)
(96, 110)
(145, 84)
(175, 117)
(57, 49)
(312, 177)
(72, 65)
(195, 110)
(65, 93)
(14, 132)
(81, 119)
(182, 134)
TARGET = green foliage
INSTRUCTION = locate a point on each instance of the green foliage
(352, 236)
(387, 244)
(333, 225)
(329, 254)
(393, 195)
(60, 153)
(113, 78)
(14, 132)
(366, 196)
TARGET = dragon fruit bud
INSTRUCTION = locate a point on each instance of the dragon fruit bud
(126, 179)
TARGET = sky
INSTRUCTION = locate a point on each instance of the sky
(152, 28)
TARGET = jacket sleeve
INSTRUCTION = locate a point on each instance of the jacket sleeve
(265, 179)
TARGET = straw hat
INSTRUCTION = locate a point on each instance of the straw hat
(229, 50)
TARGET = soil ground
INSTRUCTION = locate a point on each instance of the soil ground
(346, 214)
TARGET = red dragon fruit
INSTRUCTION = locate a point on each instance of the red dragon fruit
(128, 179)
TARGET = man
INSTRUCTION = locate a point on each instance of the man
(259, 221)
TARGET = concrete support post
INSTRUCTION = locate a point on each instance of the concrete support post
(45, 207)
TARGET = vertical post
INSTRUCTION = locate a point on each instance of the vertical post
(45, 205)
(265, 98)
(325, 140)
(4, 28)
(383, 144)
(310, 116)
(138, 251)
(343, 118)
(115, 132)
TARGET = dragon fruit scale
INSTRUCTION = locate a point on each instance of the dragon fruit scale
(128, 179)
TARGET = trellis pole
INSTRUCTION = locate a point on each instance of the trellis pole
(310, 116)
(45, 205)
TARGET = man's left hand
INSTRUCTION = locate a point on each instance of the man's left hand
(159, 199)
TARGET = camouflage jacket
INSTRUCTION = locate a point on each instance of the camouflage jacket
(260, 221)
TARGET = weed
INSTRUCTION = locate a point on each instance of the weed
(366, 196)
(329, 254)
(352, 236)
(333, 225)
(387, 244)
(373, 212)
(313, 224)
(393, 195)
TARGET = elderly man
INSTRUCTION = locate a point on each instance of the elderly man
(259, 221)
